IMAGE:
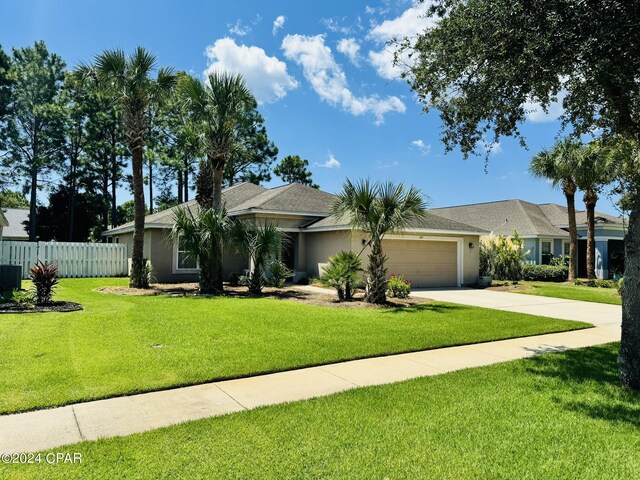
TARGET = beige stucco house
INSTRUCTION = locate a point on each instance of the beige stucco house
(431, 253)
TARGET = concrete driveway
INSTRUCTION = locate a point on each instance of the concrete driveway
(599, 314)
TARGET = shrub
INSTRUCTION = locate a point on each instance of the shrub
(398, 287)
(596, 282)
(304, 281)
(502, 257)
(45, 279)
(561, 261)
(20, 297)
(620, 285)
(343, 273)
(279, 273)
(234, 279)
(544, 273)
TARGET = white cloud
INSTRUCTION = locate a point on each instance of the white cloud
(239, 29)
(424, 148)
(329, 81)
(266, 76)
(331, 162)
(350, 48)
(411, 22)
(278, 23)
(536, 114)
(491, 147)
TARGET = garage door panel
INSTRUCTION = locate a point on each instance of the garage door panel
(424, 263)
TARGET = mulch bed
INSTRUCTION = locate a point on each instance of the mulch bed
(50, 307)
(291, 293)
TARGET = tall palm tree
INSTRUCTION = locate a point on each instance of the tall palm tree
(202, 236)
(127, 79)
(377, 209)
(218, 106)
(592, 175)
(558, 165)
(261, 243)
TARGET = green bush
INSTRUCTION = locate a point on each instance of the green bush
(502, 257)
(596, 283)
(398, 287)
(619, 285)
(279, 274)
(343, 273)
(21, 297)
(545, 273)
(561, 261)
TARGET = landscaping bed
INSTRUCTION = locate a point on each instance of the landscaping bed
(29, 308)
(299, 294)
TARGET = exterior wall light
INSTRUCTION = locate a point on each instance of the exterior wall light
(472, 245)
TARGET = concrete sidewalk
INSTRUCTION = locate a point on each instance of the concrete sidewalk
(44, 429)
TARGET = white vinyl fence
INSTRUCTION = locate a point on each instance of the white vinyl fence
(73, 259)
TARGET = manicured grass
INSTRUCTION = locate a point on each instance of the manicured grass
(572, 292)
(554, 416)
(122, 344)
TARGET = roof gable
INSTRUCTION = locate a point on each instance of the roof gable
(16, 217)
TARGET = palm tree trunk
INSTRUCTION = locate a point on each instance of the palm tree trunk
(218, 174)
(590, 200)
(180, 200)
(150, 186)
(376, 283)
(139, 278)
(569, 189)
(185, 164)
(629, 355)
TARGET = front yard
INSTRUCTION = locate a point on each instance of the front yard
(558, 415)
(565, 290)
(126, 344)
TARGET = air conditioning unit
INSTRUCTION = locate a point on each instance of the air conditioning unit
(10, 277)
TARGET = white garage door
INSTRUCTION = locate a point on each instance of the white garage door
(424, 263)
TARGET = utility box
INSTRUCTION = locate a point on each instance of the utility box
(10, 277)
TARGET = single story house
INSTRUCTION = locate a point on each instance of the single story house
(544, 228)
(433, 252)
(16, 230)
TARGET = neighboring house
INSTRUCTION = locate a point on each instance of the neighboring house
(433, 252)
(3, 224)
(544, 228)
(16, 230)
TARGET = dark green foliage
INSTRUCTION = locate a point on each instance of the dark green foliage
(377, 209)
(343, 272)
(52, 218)
(293, 169)
(502, 257)
(12, 199)
(398, 287)
(279, 273)
(45, 279)
(261, 243)
(544, 273)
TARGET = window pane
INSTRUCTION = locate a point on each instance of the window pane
(186, 261)
(566, 249)
(546, 253)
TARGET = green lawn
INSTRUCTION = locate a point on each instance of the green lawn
(554, 416)
(122, 344)
(572, 292)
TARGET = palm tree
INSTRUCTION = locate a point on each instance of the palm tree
(592, 175)
(261, 243)
(127, 79)
(202, 236)
(217, 106)
(377, 209)
(558, 165)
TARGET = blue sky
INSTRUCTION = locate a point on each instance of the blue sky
(323, 76)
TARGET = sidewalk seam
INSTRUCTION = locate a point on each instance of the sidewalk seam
(75, 418)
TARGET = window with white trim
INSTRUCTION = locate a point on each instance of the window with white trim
(184, 259)
(566, 248)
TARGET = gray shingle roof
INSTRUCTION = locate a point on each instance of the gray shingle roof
(3, 220)
(292, 198)
(429, 222)
(15, 218)
(232, 196)
(557, 215)
(505, 217)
